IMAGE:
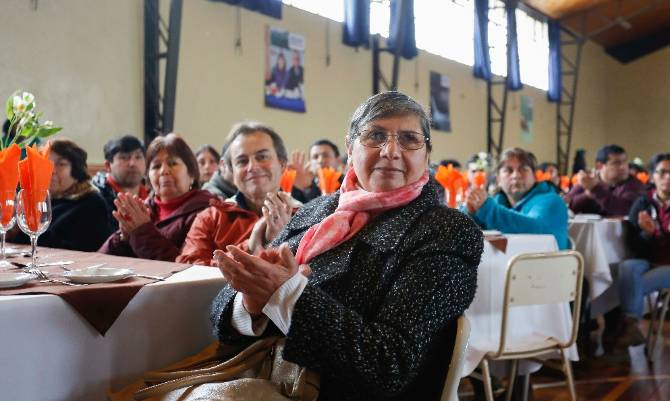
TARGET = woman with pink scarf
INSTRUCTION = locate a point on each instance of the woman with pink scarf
(365, 284)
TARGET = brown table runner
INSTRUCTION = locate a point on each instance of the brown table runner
(499, 242)
(99, 304)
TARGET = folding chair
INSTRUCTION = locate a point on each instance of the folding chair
(657, 310)
(449, 392)
(535, 279)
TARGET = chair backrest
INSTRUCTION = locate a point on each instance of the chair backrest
(457, 359)
(543, 278)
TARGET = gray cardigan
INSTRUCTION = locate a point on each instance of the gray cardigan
(377, 318)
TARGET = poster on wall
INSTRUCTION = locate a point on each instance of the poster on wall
(526, 119)
(439, 102)
(284, 70)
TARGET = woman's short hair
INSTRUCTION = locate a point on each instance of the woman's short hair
(249, 127)
(210, 149)
(388, 104)
(174, 145)
(69, 150)
(524, 157)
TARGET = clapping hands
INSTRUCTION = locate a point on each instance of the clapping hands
(257, 277)
(130, 212)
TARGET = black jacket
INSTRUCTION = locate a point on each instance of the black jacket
(377, 318)
(107, 193)
(81, 224)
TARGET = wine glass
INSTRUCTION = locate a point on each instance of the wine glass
(33, 212)
(7, 220)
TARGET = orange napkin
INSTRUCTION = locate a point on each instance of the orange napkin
(35, 176)
(9, 178)
(287, 179)
(642, 176)
(479, 180)
(453, 182)
(573, 180)
(565, 183)
(329, 180)
(542, 176)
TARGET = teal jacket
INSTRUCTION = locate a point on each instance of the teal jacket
(541, 211)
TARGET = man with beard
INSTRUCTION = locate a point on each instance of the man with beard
(523, 206)
(125, 166)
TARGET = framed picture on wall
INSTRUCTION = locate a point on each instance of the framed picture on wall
(284, 70)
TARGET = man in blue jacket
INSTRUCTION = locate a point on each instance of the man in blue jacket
(523, 206)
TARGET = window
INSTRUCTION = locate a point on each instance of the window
(446, 28)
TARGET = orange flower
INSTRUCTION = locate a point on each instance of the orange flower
(35, 175)
(287, 179)
(329, 180)
(9, 179)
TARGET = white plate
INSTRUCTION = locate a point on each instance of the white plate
(98, 275)
(10, 251)
(588, 216)
(9, 280)
(491, 233)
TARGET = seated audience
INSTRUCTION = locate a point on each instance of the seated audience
(221, 183)
(391, 270)
(610, 190)
(156, 228)
(552, 169)
(322, 153)
(79, 219)
(649, 238)
(208, 162)
(522, 206)
(125, 167)
(256, 155)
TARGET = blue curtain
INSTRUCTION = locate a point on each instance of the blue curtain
(271, 8)
(482, 67)
(408, 41)
(356, 31)
(554, 91)
(513, 69)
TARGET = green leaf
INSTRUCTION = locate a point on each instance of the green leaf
(43, 132)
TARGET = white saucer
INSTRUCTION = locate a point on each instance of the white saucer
(98, 275)
(10, 280)
(491, 233)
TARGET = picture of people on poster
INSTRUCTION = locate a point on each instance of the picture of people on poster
(439, 101)
(284, 70)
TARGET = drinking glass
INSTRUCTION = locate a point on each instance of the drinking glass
(7, 221)
(33, 214)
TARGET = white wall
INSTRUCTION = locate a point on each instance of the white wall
(83, 61)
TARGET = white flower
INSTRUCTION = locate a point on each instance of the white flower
(483, 155)
(18, 104)
(28, 97)
(28, 117)
(48, 124)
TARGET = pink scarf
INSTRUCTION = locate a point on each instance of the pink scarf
(356, 207)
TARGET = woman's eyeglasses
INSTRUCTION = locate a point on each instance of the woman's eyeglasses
(407, 140)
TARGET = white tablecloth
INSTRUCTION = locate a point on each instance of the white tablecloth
(531, 322)
(602, 243)
(50, 353)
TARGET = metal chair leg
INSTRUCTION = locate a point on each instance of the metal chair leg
(567, 369)
(486, 376)
(514, 363)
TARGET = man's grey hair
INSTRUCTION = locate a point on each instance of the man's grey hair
(388, 104)
(246, 128)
